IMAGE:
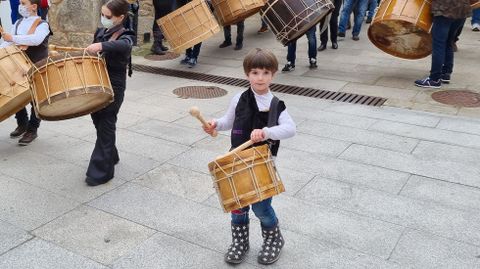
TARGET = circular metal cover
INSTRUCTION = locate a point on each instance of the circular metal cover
(167, 56)
(461, 98)
(199, 92)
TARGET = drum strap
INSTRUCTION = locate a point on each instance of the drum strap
(273, 113)
(30, 31)
(117, 34)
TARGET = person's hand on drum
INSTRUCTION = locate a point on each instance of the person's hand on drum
(257, 135)
(7, 37)
(211, 127)
(94, 48)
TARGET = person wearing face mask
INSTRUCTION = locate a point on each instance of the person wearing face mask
(114, 42)
(31, 34)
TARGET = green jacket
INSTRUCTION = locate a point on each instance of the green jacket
(454, 9)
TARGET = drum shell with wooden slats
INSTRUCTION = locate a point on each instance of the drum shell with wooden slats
(402, 28)
(14, 86)
(245, 178)
(69, 85)
(475, 4)
(230, 12)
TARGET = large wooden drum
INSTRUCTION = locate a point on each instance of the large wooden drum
(14, 86)
(188, 25)
(245, 178)
(402, 28)
(69, 85)
(475, 4)
(232, 11)
(290, 19)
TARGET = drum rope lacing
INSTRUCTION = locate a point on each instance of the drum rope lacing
(9, 92)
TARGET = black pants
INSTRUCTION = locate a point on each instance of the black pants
(194, 51)
(227, 32)
(162, 8)
(333, 24)
(22, 119)
(105, 154)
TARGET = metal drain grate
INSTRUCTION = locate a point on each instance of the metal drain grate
(309, 92)
(167, 56)
(199, 92)
(461, 98)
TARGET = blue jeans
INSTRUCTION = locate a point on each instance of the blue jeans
(348, 5)
(312, 46)
(263, 210)
(476, 16)
(372, 5)
(444, 31)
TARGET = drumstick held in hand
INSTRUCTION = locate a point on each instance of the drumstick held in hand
(237, 149)
(194, 111)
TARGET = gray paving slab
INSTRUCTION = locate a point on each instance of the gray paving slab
(197, 159)
(179, 181)
(422, 250)
(54, 175)
(430, 134)
(94, 234)
(387, 113)
(293, 180)
(314, 144)
(157, 111)
(427, 150)
(343, 170)
(40, 254)
(169, 131)
(358, 136)
(452, 223)
(27, 207)
(454, 195)
(77, 127)
(460, 125)
(163, 251)
(11, 236)
(351, 230)
(439, 169)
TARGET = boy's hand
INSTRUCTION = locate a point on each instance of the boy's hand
(94, 48)
(257, 135)
(7, 37)
(209, 129)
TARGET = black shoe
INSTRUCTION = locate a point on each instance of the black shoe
(272, 245)
(185, 61)
(20, 130)
(238, 47)
(313, 63)
(355, 37)
(369, 20)
(237, 252)
(157, 49)
(28, 137)
(340, 34)
(334, 45)
(225, 44)
(445, 78)
(322, 47)
(288, 67)
(192, 62)
(164, 48)
(93, 182)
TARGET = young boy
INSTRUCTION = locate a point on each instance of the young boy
(247, 117)
(31, 33)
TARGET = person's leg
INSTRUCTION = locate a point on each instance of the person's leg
(441, 30)
(345, 16)
(22, 123)
(358, 18)
(292, 52)
(312, 46)
(157, 33)
(227, 34)
(372, 5)
(334, 23)
(240, 30)
(240, 245)
(449, 56)
(476, 20)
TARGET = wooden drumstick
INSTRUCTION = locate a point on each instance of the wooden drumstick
(237, 149)
(57, 48)
(194, 111)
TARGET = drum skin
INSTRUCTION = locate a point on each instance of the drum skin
(14, 86)
(70, 85)
(246, 178)
(402, 28)
(290, 19)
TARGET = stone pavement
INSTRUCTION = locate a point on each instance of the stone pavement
(366, 187)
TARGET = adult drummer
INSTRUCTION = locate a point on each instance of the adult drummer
(448, 18)
(31, 33)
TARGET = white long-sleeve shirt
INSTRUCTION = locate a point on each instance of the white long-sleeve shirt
(285, 129)
(23, 38)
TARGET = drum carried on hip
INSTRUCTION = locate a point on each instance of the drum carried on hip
(69, 85)
(188, 25)
(290, 19)
(402, 28)
(245, 177)
(14, 86)
(233, 11)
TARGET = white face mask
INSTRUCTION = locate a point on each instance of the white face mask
(107, 23)
(23, 11)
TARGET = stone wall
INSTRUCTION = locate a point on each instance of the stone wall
(73, 22)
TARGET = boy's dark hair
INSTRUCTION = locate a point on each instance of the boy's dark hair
(35, 2)
(118, 7)
(259, 58)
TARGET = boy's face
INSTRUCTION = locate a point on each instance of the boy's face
(260, 79)
(31, 7)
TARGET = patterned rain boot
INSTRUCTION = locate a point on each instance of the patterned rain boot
(272, 245)
(237, 252)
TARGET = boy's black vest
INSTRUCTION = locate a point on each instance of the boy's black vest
(248, 117)
(36, 53)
